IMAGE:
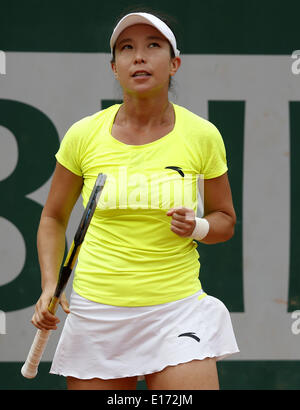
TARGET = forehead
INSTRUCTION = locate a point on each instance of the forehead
(139, 31)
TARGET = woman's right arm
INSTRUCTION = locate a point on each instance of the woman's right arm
(64, 192)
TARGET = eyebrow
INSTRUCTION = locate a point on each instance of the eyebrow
(126, 40)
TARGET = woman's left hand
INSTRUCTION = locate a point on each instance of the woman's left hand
(183, 221)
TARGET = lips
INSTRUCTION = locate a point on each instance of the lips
(141, 73)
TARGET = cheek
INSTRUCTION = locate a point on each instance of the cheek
(124, 66)
(163, 71)
(162, 64)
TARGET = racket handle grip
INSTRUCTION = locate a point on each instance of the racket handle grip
(30, 367)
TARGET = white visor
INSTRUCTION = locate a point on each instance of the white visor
(144, 18)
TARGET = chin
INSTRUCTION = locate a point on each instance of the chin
(145, 91)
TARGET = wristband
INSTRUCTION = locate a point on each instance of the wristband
(201, 229)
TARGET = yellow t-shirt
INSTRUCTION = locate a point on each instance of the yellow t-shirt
(130, 256)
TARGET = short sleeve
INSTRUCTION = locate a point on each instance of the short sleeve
(69, 153)
(214, 162)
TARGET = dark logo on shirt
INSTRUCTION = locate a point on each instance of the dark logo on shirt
(178, 169)
(190, 334)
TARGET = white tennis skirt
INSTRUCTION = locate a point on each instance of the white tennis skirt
(108, 342)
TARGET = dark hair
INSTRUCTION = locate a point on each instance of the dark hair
(170, 21)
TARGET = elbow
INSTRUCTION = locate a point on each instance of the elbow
(230, 234)
(231, 228)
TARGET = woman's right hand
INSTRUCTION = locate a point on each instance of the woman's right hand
(42, 318)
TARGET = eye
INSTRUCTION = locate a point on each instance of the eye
(126, 47)
(154, 45)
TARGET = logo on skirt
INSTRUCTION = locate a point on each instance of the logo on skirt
(190, 334)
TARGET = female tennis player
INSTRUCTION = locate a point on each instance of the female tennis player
(137, 308)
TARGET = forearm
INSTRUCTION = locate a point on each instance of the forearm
(51, 246)
(221, 227)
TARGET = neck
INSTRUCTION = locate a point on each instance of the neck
(145, 112)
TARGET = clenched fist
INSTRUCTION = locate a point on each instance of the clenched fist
(183, 221)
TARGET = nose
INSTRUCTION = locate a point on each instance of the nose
(139, 57)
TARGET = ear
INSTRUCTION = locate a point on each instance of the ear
(114, 69)
(174, 65)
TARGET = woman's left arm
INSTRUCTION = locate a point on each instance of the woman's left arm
(218, 211)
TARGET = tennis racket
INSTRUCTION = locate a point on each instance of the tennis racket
(30, 367)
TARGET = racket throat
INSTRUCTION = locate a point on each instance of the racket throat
(53, 305)
(72, 256)
(66, 270)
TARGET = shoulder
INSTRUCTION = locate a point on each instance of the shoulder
(87, 124)
(196, 125)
